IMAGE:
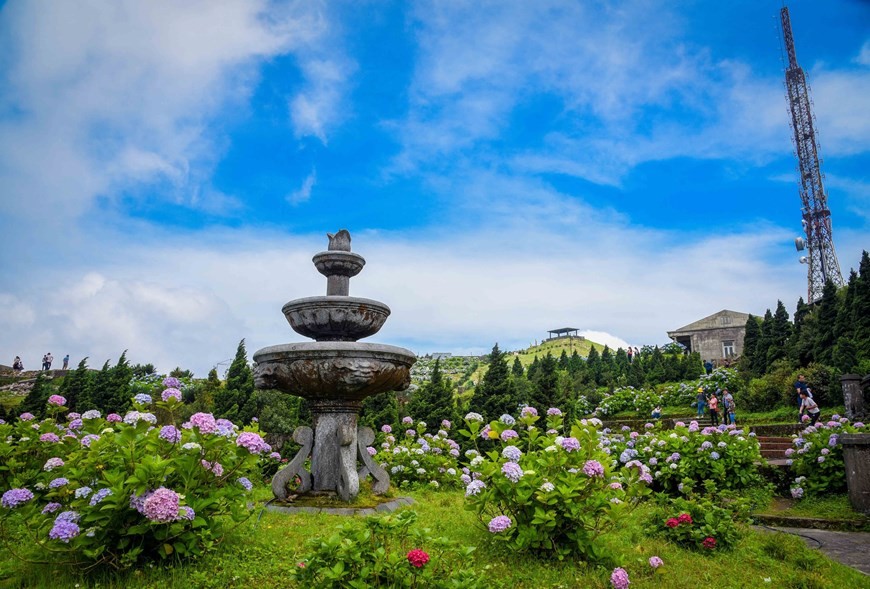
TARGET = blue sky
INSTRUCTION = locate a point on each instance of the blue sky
(168, 169)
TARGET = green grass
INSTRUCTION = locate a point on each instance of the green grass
(832, 507)
(263, 549)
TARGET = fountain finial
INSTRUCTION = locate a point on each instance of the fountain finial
(339, 242)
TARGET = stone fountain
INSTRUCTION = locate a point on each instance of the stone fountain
(334, 373)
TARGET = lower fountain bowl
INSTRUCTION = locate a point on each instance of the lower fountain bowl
(333, 371)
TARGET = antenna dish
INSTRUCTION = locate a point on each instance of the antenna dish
(800, 243)
(804, 260)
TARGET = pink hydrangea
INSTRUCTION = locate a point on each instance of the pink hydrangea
(499, 524)
(161, 506)
(26, 416)
(205, 422)
(49, 437)
(57, 400)
(252, 442)
(113, 418)
(655, 562)
(593, 468)
(171, 393)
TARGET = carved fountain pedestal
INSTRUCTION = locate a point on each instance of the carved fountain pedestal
(335, 373)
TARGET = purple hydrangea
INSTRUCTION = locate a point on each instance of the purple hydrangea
(646, 477)
(512, 471)
(472, 416)
(185, 512)
(593, 468)
(142, 399)
(619, 578)
(386, 429)
(797, 493)
(509, 434)
(49, 437)
(99, 496)
(244, 482)
(529, 412)
(655, 562)
(15, 497)
(76, 424)
(410, 433)
(507, 419)
(113, 418)
(91, 414)
(161, 506)
(446, 424)
(88, 439)
(499, 524)
(83, 492)
(205, 422)
(52, 463)
(553, 411)
(512, 453)
(58, 483)
(51, 508)
(170, 382)
(170, 433)
(371, 451)
(706, 446)
(171, 393)
(570, 444)
(714, 455)
(57, 401)
(252, 442)
(137, 502)
(474, 487)
(275, 456)
(26, 416)
(407, 420)
(64, 530)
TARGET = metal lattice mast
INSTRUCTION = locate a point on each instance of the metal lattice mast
(821, 260)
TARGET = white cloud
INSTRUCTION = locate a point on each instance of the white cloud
(304, 193)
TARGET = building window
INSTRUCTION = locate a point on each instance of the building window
(725, 320)
(728, 348)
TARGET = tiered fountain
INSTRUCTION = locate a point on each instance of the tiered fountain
(335, 373)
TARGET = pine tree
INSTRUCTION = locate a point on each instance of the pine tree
(636, 375)
(606, 372)
(655, 367)
(533, 369)
(593, 366)
(546, 386)
(845, 353)
(517, 369)
(99, 394)
(433, 402)
(780, 333)
(495, 395)
(765, 340)
(620, 364)
(75, 386)
(861, 310)
(377, 410)
(119, 385)
(576, 365)
(800, 342)
(36, 400)
(233, 402)
(826, 320)
(563, 360)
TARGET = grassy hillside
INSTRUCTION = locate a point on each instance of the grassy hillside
(555, 347)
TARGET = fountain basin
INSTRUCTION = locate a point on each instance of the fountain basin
(336, 263)
(336, 318)
(339, 373)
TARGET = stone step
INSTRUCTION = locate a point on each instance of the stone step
(774, 439)
(773, 453)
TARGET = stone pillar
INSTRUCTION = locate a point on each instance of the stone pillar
(856, 455)
(333, 457)
(853, 396)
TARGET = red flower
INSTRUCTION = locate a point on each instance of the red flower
(709, 543)
(672, 523)
(301, 565)
(685, 518)
(418, 558)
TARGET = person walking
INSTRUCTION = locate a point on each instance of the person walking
(44, 361)
(66, 362)
(48, 360)
(701, 401)
(728, 401)
(810, 406)
(714, 410)
(708, 367)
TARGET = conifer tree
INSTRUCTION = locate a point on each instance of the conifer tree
(433, 402)
(620, 363)
(655, 367)
(545, 392)
(606, 371)
(75, 385)
(533, 369)
(593, 366)
(377, 410)
(233, 402)
(801, 341)
(861, 310)
(779, 335)
(99, 392)
(495, 395)
(36, 400)
(765, 340)
(517, 369)
(845, 353)
(826, 320)
(119, 384)
(576, 364)
(563, 360)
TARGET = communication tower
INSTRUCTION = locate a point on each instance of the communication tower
(821, 259)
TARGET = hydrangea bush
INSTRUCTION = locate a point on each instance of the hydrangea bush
(542, 490)
(415, 457)
(689, 455)
(699, 524)
(114, 490)
(395, 555)
(817, 458)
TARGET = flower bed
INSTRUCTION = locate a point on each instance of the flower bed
(114, 490)
(817, 457)
(416, 458)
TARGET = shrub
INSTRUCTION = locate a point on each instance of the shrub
(697, 524)
(114, 491)
(540, 491)
(416, 458)
(688, 456)
(817, 458)
(385, 552)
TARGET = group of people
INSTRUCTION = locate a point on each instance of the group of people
(633, 354)
(714, 403)
(47, 359)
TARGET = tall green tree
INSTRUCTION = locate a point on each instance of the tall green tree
(234, 401)
(75, 385)
(545, 393)
(36, 400)
(765, 341)
(826, 321)
(780, 332)
(377, 410)
(845, 353)
(99, 394)
(517, 369)
(433, 402)
(593, 366)
(861, 310)
(119, 384)
(495, 395)
(801, 341)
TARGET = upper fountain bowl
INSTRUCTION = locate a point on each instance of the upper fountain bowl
(336, 318)
(337, 263)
